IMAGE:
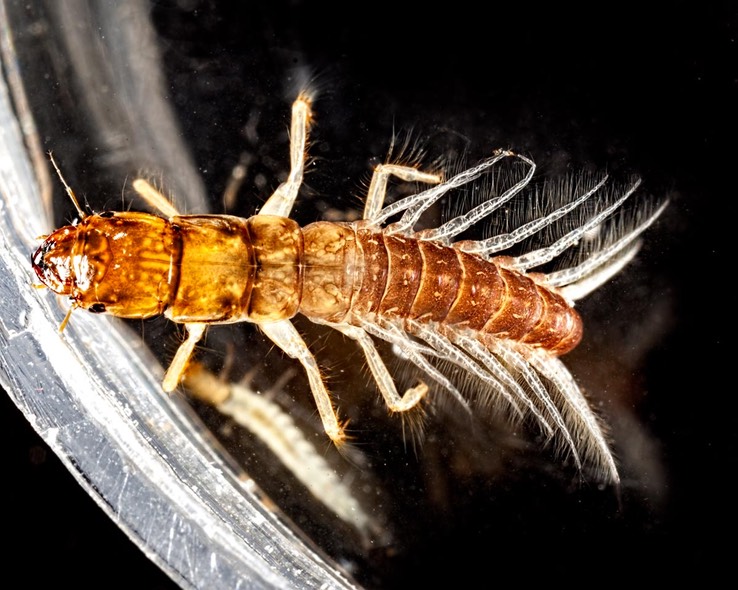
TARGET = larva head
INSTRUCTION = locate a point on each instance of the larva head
(52, 262)
(118, 263)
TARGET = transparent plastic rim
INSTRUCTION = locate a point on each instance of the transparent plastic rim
(94, 396)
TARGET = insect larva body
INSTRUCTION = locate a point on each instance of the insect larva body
(220, 269)
(437, 299)
(298, 452)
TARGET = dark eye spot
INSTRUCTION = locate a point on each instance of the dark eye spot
(97, 308)
(105, 214)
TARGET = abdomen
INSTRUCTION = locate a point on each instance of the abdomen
(352, 272)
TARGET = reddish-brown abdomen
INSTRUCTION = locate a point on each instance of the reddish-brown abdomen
(560, 327)
(521, 307)
(440, 281)
(375, 268)
(480, 293)
(405, 271)
(406, 278)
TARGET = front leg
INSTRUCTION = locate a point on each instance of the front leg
(154, 198)
(177, 369)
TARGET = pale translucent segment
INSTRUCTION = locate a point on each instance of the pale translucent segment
(605, 263)
(503, 241)
(543, 255)
(461, 223)
(415, 205)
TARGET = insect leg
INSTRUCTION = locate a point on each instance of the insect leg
(415, 205)
(392, 399)
(184, 352)
(284, 335)
(414, 352)
(154, 198)
(378, 185)
(282, 200)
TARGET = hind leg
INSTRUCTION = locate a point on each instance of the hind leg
(378, 186)
(382, 377)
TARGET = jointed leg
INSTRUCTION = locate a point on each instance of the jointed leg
(378, 185)
(384, 381)
(154, 198)
(281, 202)
(179, 364)
(284, 335)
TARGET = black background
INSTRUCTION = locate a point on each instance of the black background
(616, 86)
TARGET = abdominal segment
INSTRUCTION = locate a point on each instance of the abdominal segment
(361, 272)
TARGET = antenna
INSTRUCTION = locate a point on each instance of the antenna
(69, 190)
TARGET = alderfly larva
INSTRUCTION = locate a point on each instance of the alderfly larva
(446, 304)
(278, 431)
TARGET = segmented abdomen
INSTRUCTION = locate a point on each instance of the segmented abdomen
(355, 271)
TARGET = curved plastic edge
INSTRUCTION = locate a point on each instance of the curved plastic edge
(91, 395)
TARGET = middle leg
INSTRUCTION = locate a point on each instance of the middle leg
(284, 335)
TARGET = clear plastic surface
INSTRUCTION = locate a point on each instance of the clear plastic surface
(185, 94)
(93, 393)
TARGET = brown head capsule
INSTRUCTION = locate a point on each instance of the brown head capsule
(120, 263)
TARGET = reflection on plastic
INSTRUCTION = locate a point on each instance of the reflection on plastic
(92, 397)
